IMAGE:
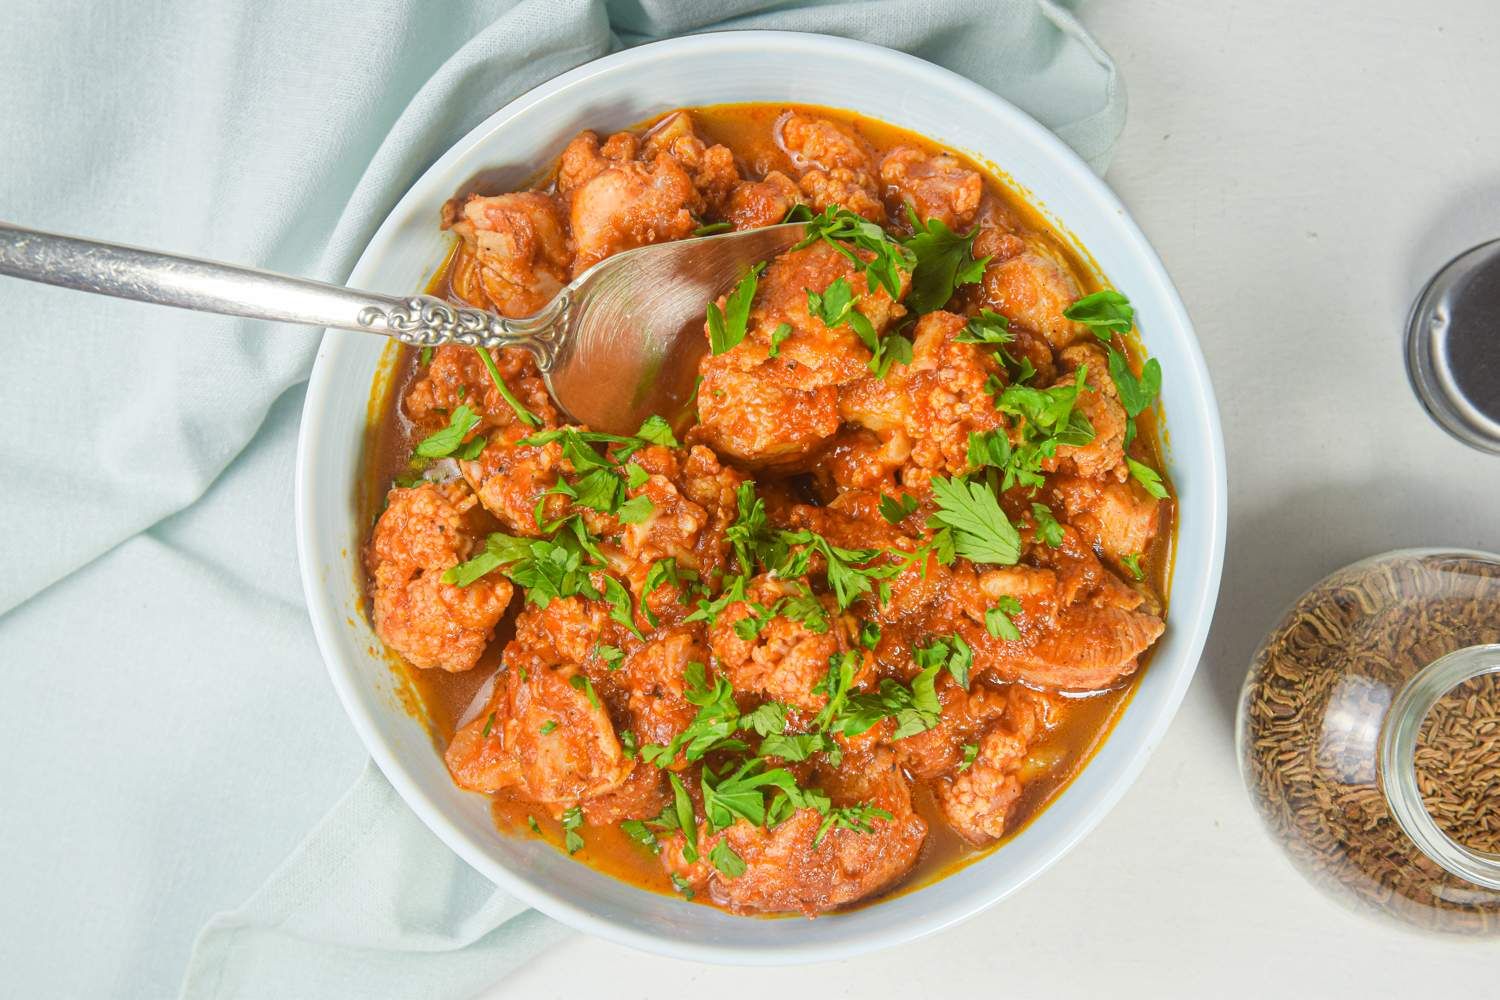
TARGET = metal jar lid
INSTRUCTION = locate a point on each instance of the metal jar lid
(1453, 347)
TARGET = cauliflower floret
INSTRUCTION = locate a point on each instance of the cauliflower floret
(777, 642)
(422, 533)
(937, 187)
(838, 168)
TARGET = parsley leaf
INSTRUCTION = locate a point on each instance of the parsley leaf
(750, 534)
(522, 414)
(580, 682)
(944, 260)
(952, 654)
(895, 511)
(621, 607)
(724, 859)
(1106, 313)
(710, 228)
(915, 708)
(857, 817)
(657, 431)
(997, 619)
(726, 327)
(986, 328)
(442, 443)
(1132, 561)
(636, 510)
(1135, 393)
(1148, 477)
(1047, 528)
(636, 477)
(778, 337)
(713, 727)
(683, 886)
(499, 550)
(768, 719)
(971, 752)
(683, 810)
(572, 819)
(642, 834)
(981, 531)
(835, 685)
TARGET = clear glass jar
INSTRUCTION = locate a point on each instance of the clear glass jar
(1369, 737)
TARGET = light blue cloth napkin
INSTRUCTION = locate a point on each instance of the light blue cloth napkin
(169, 734)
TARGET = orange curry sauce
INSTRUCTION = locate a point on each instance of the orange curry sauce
(445, 700)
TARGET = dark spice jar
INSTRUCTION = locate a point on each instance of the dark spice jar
(1369, 737)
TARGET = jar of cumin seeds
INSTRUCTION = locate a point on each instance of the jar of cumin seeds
(1369, 737)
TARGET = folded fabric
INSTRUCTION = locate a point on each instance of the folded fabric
(170, 733)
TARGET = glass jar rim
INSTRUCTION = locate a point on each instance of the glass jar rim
(1397, 761)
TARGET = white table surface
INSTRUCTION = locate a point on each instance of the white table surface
(1302, 168)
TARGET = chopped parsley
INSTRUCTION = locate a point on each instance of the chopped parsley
(522, 414)
(997, 619)
(657, 431)
(1148, 477)
(488, 725)
(581, 682)
(1106, 313)
(683, 886)
(572, 819)
(952, 654)
(682, 810)
(944, 260)
(858, 817)
(895, 511)
(532, 823)
(834, 306)
(711, 228)
(628, 745)
(442, 443)
(621, 607)
(971, 753)
(1132, 561)
(915, 708)
(849, 234)
(547, 727)
(724, 859)
(987, 328)
(1047, 528)
(768, 719)
(726, 327)
(778, 337)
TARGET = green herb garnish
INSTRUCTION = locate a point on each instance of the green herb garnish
(997, 619)
(726, 327)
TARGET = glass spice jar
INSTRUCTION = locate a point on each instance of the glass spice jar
(1369, 737)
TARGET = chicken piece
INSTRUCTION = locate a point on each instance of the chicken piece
(520, 251)
(787, 655)
(859, 459)
(653, 679)
(765, 202)
(584, 158)
(937, 187)
(838, 168)
(761, 425)
(423, 532)
(931, 405)
(977, 801)
(511, 478)
(1118, 519)
(1082, 628)
(786, 871)
(775, 411)
(631, 205)
(1104, 456)
(643, 796)
(456, 377)
(1031, 288)
(711, 167)
(541, 736)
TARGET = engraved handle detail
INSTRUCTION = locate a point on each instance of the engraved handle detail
(210, 286)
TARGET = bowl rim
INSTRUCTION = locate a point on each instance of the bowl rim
(1195, 608)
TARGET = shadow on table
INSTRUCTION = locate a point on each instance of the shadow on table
(1277, 552)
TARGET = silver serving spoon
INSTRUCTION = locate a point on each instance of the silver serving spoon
(619, 343)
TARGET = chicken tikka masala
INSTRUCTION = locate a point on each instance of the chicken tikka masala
(861, 613)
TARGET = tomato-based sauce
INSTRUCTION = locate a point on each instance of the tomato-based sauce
(805, 553)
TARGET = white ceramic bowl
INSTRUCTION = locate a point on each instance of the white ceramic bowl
(618, 91)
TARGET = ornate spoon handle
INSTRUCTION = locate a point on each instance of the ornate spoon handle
(209, 286)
